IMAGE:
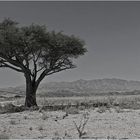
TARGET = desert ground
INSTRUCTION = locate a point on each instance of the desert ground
(102, 122)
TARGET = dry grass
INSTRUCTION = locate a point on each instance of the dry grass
(107, 125)
(37, 121)
(119, 110)
(4, 136)
(95, 101)
(72, 110)
(44, 116)
(102, 109)
(72, 105)
(13, 122)
(82, 103)
(40, 127)
(25, 117)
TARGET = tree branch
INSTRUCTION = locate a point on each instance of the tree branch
(49, 72)
(15, 63)
(9, 66)
(41, 69)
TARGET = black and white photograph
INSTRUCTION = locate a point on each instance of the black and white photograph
(70, 70)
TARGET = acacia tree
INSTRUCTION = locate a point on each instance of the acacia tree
(36, 53)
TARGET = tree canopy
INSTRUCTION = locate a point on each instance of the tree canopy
(37, 52)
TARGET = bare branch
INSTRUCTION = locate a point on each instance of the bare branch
(49, 72)
(15, 63)
(9, 66)
(41, 69)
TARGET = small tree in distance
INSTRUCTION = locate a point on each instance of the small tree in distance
(36, 53)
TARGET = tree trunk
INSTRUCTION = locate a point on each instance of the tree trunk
(30, 99)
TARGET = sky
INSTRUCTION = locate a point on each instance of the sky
(111, 31)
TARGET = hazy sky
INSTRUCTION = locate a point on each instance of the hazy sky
(111, 31)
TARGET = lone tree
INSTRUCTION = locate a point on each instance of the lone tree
(36, 53)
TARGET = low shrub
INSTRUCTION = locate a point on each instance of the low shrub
(40, 128)
(119, 110)
(102, 109)
(30, 128)
(129, 105)
(10, 108)
(13, 122)
(81, 126)
(81, 107)
(25, 117)
(33, 108)
(44, 116)
(72, 110)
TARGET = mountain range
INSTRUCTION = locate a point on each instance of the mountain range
(80, 88)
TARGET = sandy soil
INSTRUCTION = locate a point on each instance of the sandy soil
(110, 124)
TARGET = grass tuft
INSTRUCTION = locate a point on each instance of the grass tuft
(4, 136)
(72, 110)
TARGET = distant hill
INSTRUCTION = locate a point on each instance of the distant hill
(81, 87)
